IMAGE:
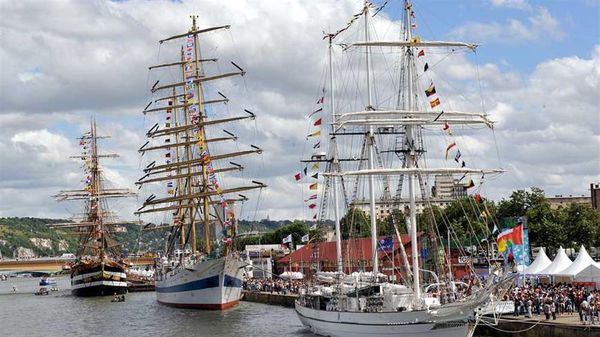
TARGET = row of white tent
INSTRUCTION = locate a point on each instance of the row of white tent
(583, 269)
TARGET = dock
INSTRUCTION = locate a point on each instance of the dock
(565, 325)
(136, 288)
(284, 300)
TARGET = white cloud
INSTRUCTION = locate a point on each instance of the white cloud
(541, 25)
(92, 57)
(518, 4)
(41, 144)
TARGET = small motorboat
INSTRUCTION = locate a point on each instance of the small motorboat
(118, 298)
(47, 281)
(42, 291)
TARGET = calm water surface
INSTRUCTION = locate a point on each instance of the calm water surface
(61, 314)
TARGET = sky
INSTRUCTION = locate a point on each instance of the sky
(64, 62)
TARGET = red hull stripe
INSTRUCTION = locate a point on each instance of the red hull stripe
(221, 306)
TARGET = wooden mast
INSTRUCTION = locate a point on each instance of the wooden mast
(92, 228)
(178, 217)
(99, 230)
(192, 168)
(202, 131)
(188, 157)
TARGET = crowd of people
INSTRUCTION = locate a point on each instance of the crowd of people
(558, 299)
(274, 285)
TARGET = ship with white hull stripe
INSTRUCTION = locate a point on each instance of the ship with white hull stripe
(196, 270)
(213, 284)
(393, 149)
(98, 269)
(98, 279)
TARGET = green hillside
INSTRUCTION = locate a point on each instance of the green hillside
(17, 232)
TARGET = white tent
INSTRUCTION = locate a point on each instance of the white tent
(560, 263)
(541, 262)
(589, 274)
(582, 261)
(294, 275)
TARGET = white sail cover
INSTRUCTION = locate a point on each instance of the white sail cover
(541, 262)
(582, 261)
(560, 263)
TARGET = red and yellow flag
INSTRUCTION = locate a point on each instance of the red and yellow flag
(510, 237)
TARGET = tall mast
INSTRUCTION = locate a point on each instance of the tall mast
(93, 227)
(197, 187)
(96, 189)
(335, 164)
(411, 119)
(411, 160)
(188, 157)
(180, 181)
(205, 209)
(371, 139)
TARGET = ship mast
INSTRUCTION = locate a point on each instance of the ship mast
(335, 163)
(409, 117)
(411, 162)
(191, 166)
(93, 228)
(207, 245)
(371, 149)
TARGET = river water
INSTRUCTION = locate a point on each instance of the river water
(61, 314)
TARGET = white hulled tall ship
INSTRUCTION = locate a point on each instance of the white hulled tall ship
(195, 271)
(99, 268)
(367, 304)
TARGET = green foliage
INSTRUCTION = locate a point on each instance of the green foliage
(17, 232)
(135, 240)
(355, 224)
(275, 236)
(568, 226)
(385, 226)
(581, 224)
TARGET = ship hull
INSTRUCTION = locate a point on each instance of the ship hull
(98, 279)
(214, 284)
(389, 324)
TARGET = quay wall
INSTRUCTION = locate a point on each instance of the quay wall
(269, 298)
(523, 328)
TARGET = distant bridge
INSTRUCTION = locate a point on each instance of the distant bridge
(54, 265)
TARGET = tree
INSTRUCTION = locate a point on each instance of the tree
(520, 202)
(355, 223)
(385, 226)
(544, 226)
(581, 225)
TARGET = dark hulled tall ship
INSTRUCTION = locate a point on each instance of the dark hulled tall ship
(99, 268)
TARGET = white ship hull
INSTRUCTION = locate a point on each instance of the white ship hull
(212, 284)
(388, 324)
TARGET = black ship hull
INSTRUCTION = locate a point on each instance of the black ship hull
(99, 290)
(98, 279)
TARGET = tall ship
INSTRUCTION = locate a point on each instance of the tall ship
(195, 192)
(99, 268)
(389, 129)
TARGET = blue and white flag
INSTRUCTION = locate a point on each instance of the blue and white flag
(287, 239)
(386, 244)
